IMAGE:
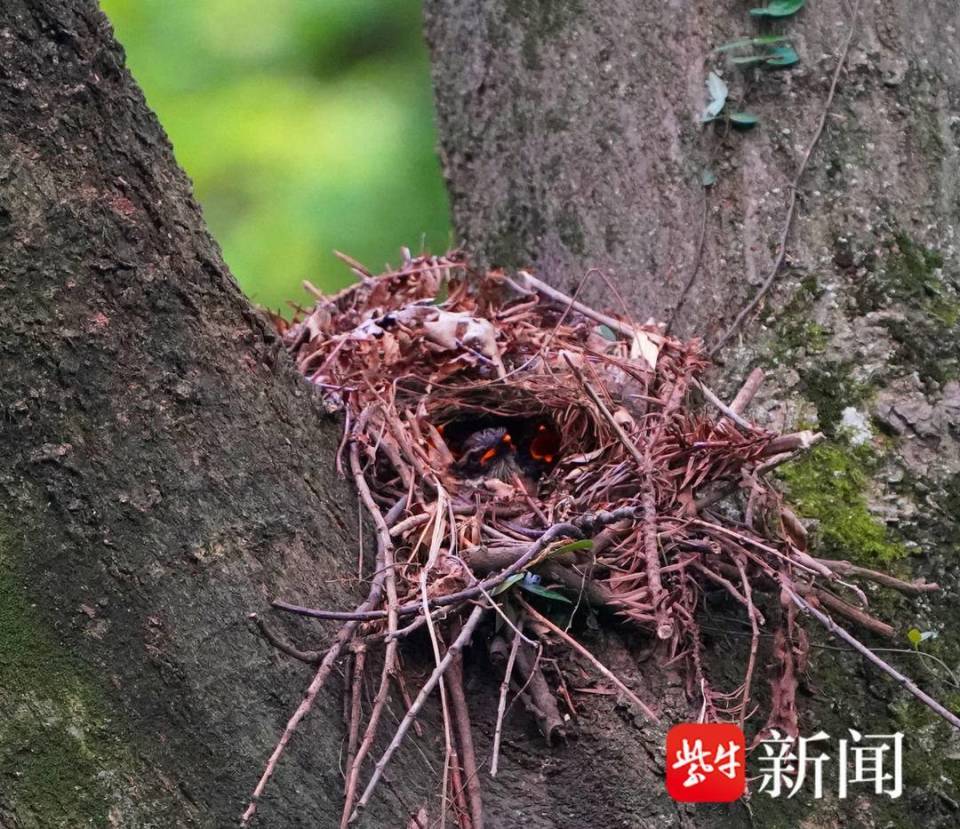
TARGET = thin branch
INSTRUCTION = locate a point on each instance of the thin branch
(461, 719)
(573, 643)
(385, 550)
(281, 644)
(502, 705)
(533, 551)
(465, 635)
(857, 645)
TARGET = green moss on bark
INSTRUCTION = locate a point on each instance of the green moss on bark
(56, 751)
(830, 484)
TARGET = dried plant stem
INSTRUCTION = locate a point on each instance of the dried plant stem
(729, 411)
(385, 545)
(356, 689)
(343, 636)
(502, 705)
(658, 596)
(281, 644)
(461, 596)
(603, 669)
(857, 645)
(845, 568)
(651, 549)
(559, 296)
(461, 719)
(747, 391)
(754, 639)
(458, 644)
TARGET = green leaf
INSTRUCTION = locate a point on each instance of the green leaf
(743, 119)
(915, 636)
(572, 546)
(707, 177)
(546, 593)
(717, 90)
(762, 40)
(779, 8)
(782, 56)
(747, 60)
(506, 584)
(607, 333)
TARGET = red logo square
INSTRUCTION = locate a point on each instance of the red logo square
(705, 762)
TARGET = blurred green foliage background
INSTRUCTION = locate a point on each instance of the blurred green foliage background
(306, 125)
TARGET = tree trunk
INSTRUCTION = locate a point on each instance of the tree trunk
(572, 141)
(166, 471)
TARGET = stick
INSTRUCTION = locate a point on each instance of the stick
(502, 705)
(558, 296)
(754, 639)
(857, 645)
(303, 709)
(363, 615)
(461, 718)
(845, 568)
(747, 391)
(573, 643)
(385, 547)
(356, 688)
(729, 411)
(310, 657)
(425, 691)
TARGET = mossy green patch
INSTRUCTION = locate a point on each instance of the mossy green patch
(54, 748)
(910, 280)
(830, 484)
(830, 386)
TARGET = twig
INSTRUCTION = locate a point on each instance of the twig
(845, 568)
(465, 635)
(854, 614)
(544, 702)
(651, 549)
(533, 551)
(573, 643)
(857, 645)
(754, 639)
(794, 186)
(747, 391)
(385, 554)
(310, 657)
(461, 719)
(558, 296)
(698, 258)
(729, 411)
(356, 689)
(343, 636)
(502, 705)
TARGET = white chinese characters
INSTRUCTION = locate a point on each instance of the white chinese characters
(862, 759)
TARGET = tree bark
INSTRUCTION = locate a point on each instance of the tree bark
(572, 142)
(166, 472)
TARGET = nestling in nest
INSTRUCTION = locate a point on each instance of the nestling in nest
(497, 429)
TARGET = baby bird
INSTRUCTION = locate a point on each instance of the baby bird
(489, 453)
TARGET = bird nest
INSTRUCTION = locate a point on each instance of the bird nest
(526, 457)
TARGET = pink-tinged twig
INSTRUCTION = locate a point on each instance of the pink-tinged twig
(466, 634)
(504, 689)
(886, 667)
(573, 643)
